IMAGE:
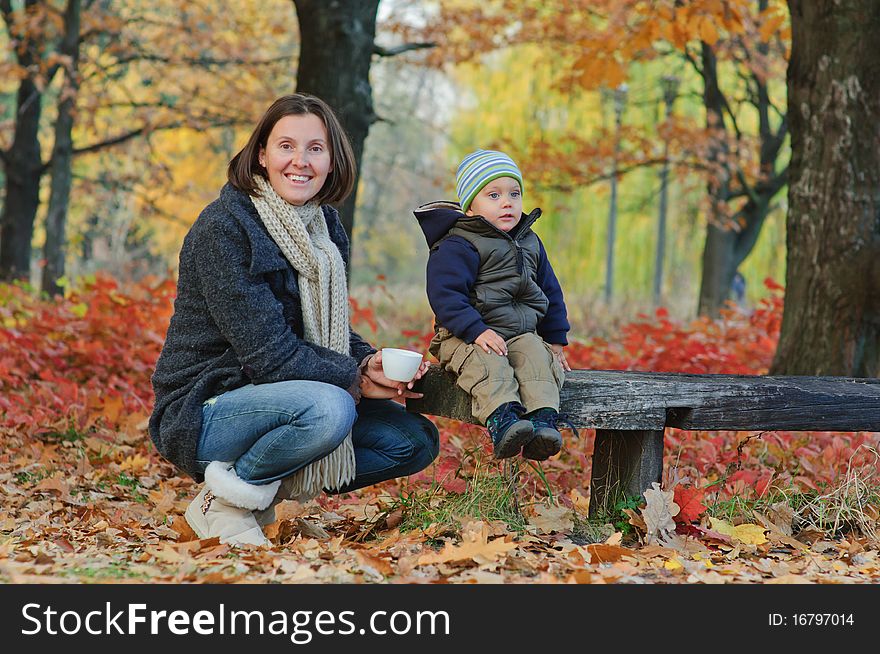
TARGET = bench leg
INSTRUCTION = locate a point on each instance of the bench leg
(624, 464)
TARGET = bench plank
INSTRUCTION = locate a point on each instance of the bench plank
(628, 400)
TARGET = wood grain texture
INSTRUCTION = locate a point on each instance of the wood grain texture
(627, 400)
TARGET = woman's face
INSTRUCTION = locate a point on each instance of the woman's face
(297, 157)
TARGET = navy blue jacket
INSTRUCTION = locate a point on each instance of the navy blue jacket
(452, 271)
(237, 320)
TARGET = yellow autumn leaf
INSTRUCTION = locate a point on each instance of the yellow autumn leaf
(672, 564)
(697, 556)
(721, 526)
(748, 533)
(134, 463)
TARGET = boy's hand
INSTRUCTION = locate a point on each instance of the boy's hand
(559, 352)
(489, 340)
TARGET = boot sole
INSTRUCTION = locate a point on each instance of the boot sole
(517, 435)
(543, 445)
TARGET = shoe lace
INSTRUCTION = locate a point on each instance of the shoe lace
(508, 412)
(563, 419)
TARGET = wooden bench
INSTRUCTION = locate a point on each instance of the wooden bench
(630, 411)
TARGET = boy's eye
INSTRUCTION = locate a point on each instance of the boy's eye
(515, 194)
(494, 195)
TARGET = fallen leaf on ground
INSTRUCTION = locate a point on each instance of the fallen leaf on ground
(745, 533)
(184, 531)
(658, 513)
(690, 502)
(311, 530)
(614, 539)
(381, 566)
(475, 546)
(552, 518)
(601, 553)
(579, 503)
(56, 484)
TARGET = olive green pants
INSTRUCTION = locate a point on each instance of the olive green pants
(530, 374)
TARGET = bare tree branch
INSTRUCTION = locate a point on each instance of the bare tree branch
(400, 49)
(568, 188)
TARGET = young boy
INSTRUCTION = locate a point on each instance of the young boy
(501, 321)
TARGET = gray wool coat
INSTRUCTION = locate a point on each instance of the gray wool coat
(237, 320)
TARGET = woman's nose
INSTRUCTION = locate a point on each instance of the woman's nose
(298, 158)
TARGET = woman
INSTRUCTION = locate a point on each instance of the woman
(262, 389)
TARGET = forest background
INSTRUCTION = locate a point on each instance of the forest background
(655, 138)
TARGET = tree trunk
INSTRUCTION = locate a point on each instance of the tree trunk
(24, 168)
(334, 64)
(726, 249)
(729, 241)
(831, 322)
(718, 267)
(55, 248)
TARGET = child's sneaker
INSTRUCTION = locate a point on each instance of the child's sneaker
(547, 440)
(508, 431)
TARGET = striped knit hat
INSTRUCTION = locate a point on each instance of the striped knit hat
(478, 169)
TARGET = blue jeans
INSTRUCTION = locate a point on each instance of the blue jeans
(272, 430)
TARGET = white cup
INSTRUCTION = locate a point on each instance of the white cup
(400, 365)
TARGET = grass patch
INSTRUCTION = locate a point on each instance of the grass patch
(113, 570)
(133, 486)
(489, 496)
(26, 478)
(606, 521)
(586, 532)
(69, 435)
(739, 508)
(851, 505)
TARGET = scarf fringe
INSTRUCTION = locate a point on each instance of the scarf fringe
(332, 472)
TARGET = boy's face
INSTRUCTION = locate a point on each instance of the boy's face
(499, 202)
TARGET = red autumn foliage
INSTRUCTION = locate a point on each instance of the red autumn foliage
(84, 362)
(690, 503)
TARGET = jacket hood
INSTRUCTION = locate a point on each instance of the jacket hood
(437, 218)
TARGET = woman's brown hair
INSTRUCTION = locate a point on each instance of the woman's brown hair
(246, 164)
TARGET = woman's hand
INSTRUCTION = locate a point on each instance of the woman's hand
(355, 389)
(489, 340)
(559, 353)
(375, 385)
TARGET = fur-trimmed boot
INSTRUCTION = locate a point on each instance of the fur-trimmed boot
(267, 516)
(224, 507)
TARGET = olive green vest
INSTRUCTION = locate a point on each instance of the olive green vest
(506, 293)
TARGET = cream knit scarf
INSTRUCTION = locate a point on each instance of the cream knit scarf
(301, 233)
